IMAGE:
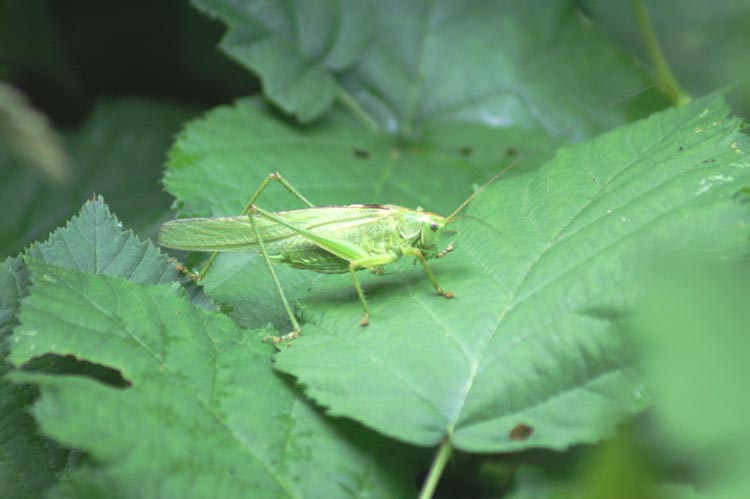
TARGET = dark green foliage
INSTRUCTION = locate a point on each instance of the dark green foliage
(597, 336)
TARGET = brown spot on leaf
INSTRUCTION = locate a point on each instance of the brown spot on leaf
(521, 432)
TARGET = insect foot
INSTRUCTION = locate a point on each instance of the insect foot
(365, 320)
(445, 293)
(448, 249)
(184, 270)
(284, 337)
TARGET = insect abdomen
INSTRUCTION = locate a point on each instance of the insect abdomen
(376, 237)
(315, 259)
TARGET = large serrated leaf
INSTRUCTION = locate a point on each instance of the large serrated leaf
(203, 414)
(543, 272)
(412, 63)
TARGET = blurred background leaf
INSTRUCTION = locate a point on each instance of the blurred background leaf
(411, 65)
(704, 42)
(28, 138)
(692, 330)
(118, 153)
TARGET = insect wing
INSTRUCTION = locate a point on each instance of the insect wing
(236, 233)
(208, 234)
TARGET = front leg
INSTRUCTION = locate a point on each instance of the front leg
(416, 252)
(447, 250)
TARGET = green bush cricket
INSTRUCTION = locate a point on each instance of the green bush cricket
(326, 239)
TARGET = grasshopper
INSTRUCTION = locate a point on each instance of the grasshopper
(326, 239)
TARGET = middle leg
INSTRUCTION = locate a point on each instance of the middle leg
(295, 325)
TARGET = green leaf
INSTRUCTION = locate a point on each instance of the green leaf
(31, 463)
(203, 414)
(94, 242)
(543, 273)
(117, 153)
(406, 65)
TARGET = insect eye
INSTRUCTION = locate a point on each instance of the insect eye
(433, 226)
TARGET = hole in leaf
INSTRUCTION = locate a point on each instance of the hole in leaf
(70, 366)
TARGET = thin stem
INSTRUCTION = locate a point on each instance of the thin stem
(436, 469)
(664, 72)
(353, 106)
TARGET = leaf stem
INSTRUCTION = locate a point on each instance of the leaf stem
(436, 469)
(358, 111)
(664, 72)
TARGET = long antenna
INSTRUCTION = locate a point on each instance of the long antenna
(546, 143)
